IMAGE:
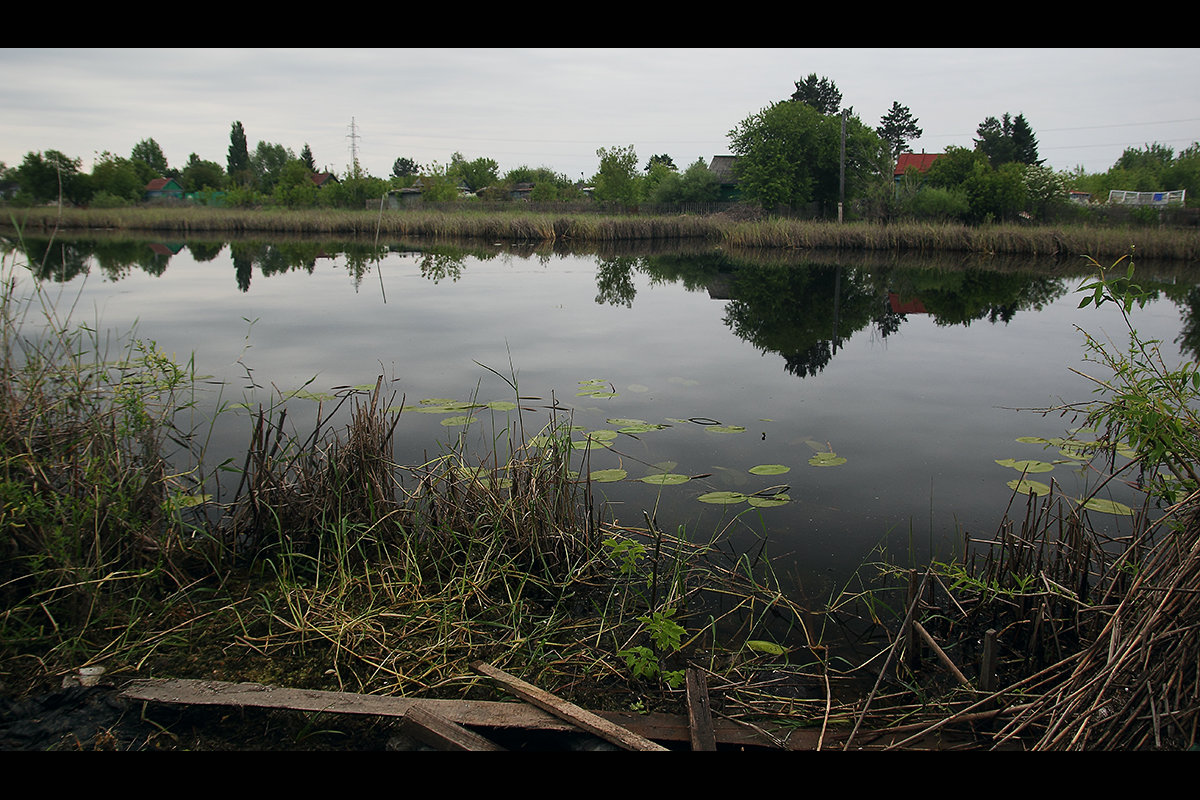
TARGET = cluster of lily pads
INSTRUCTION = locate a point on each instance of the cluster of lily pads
(1074, 452)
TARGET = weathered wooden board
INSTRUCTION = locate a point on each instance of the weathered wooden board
(442, 734)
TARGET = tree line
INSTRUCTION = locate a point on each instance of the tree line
(806, 150)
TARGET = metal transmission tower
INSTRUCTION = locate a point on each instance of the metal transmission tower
(353, 137)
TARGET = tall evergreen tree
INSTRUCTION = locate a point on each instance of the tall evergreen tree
(898, 127)
(238, 162)
(1007, 140)
(306, 156)
(1025, 147)
(820, 93)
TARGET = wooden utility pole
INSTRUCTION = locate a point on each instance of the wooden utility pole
(842, 175)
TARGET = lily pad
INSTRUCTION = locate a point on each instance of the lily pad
(608, 475)
(502, 405)
(451, 422)
(644, 427)
(637, 387)
(621, 422)
(760, 501)
(596, 393)
(583, 444)
(722, 498)
(602, 435)
(770, 469)
(826, 460)
(770, 648)
(665, 479)
(725, 429)
(1027, 466)
(1108, 507)
(1025, 487)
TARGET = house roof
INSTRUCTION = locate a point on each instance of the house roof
(722, 167)
(159, 184)
(919, 160)
(322, 178)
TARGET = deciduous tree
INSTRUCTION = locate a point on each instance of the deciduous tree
(149, 153)
(238, 161)
(617, 180)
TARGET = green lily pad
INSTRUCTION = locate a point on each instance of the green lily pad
(770, 648)
(583, 444)
(1108, 507)
(451, 422)
(769, 469)
(608, 475)
(644, 427)
(1027, 466)
(621, 422)
(826, 460)
(722, 498)
(602, 435)
(760, 501)
(725, 429)
(502, 405)
(665, 479)
(1025, 487)
(596, 393)
(637, 387)
(438, 401)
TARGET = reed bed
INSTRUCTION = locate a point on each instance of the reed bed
(738, 230)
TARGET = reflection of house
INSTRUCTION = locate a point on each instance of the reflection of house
(908, 306)
(163, 249)
(724, 168)
(163, 187)
(920, 161)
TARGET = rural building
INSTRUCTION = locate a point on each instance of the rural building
(163, 187)
(724, 167)
(1119, 197)
(1082, 198)
(921, 161)
(322, 178)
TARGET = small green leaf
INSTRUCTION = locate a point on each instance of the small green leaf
(1026, 487)
(725, 429)
(665, 479)
(608, 475)
(1108, 507)
(760, 501)
(826, 460)
(722, 498)
(769, 648)
(1027, 466)
(769, 469)
(459, 420)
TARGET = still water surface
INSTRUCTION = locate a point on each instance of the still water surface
(912, 373)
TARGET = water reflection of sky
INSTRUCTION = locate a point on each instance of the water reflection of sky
(921, 414)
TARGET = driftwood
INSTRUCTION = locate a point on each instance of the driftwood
(582, 718)
(442, 734)
(699, 714)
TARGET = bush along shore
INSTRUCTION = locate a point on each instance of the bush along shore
(742, 228)
(323, 564)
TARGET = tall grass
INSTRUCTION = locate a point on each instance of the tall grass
(734, 230)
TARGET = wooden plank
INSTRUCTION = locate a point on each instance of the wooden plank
(476, 713)
(443, 734)
(699, 715)
(592, 723)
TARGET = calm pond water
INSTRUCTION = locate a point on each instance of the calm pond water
(912, 372)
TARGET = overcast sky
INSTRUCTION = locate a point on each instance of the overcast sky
(556, 107)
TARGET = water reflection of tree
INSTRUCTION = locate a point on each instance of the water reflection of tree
(960, 297)
(614, 280)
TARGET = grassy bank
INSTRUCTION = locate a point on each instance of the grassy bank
(1105, 243)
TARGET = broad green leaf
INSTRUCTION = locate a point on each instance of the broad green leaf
(725, 429)
(637, 387)
(502, 405)
(1108, 507)
(645, 427)
(826, 460)
(1027, 466)
(722, 498)
(769, 469)
(608, 475)
(450, 422)
(583, 444)
(602, 435)
(665, 479)
(769, 502)
(1025, 487)
(622, 422)
(769, 648)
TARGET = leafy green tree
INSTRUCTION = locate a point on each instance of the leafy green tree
(295, 188)
(898, 127)
(148, 152)
(820, 93)
(43, 177)
(789, 154)
(477, 174)
(267, 162)
(238, 161)
(200, 174)
(404, 167)
(617, 179)
(116, 177)
(661, 159)
(697, 184)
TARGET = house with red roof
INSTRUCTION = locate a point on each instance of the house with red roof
(922, 162)
(163, 187)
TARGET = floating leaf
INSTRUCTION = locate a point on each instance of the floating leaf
(597, 393)
(826, 460)
(1108, 507)
(608, 475)
(583, 444)
(770, 648)
(637, 387)
(1026, 487)
(761, 501)
(725, 429)
(644, 427)
(676, 420)
(722, 498)
(1027, 466)
(450, 422)
(438, 401)
(769, 469)
(623, 421)
(665, 479)
(602, 435)
(502, 405)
